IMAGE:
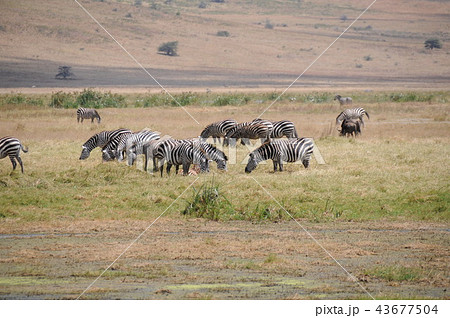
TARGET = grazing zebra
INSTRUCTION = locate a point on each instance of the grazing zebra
(248, 130)
(110, 151)
(343, 100)
(87, 113)
(161, 152)
(218, 129)
(102, 139)
(282, 151)
(353, 113)
(350, 127)
(135, 143)
(282, 128)
(10, 146)
(185, 153)
(212, 153)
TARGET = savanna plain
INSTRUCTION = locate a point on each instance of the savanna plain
(379, 204)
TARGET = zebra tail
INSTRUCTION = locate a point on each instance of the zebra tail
(367, 114)
(23, 148)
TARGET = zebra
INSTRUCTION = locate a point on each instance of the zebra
(102, 139)
(87, 113)
(135, 143)
(352, 113)
(248, 130)
(110, 151)
(212, 153)
(343, 100)
(218, 129)
(149, 149)
(185, 153)
(281, 128)
(10, 146)
(282, 151)
(161, 151)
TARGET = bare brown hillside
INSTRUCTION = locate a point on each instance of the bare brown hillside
(269, 44)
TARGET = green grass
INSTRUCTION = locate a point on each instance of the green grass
(395, 273)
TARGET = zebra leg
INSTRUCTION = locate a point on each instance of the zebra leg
(274, 165)
(78, 119)
(169, 165)
(92, 120)
(20, 162)
(13, 161)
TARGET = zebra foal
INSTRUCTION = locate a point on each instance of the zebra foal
(87, 113)
(282, 151)
(10, 146)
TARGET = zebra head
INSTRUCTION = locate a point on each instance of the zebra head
(337, 97)
(251, 164)
(84, 153)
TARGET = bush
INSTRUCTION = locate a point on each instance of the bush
(169, 48)
(433, 44)
(208, 202)
(87, 98)
(223, 33)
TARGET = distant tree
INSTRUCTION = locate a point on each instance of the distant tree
(268, 25)
(64, 72)
(218, 1)
(169, 48)
(223, 33)
(343, 17)
(433, 44)
(202, 5)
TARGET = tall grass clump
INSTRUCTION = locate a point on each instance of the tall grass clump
(231, 99)
(208, 202)
(394, 273)
(20, 99)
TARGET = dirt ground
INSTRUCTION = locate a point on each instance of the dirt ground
(198, 259)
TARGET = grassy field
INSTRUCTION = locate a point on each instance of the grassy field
(393, 179)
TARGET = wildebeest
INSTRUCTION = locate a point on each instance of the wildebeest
(350, 127)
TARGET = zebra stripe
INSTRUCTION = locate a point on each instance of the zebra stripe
(218, 129)
(162, 151)
(87, 113)
(250, 130)
(101, 140)
(343, 100)
(353, 113)
(186, 153)
(135, 143)
(111, 150)
(282, 151)
(10, 146)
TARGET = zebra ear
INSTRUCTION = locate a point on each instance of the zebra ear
(251, 155)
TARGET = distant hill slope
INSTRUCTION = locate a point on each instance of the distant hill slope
(234, 37)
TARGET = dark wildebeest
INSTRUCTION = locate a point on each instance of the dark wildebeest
(350, 127)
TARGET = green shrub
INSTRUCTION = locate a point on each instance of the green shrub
(208, 202)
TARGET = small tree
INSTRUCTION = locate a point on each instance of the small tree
(64, 72)
(169, 48)
(433, 44)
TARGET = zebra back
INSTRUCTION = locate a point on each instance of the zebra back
(251, 130)
(352, 113)
(135, 144)
(284, 128)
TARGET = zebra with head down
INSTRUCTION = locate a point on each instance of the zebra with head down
(282, 151)
(10, 147)
(102, 139)
(249, 130)
(87, 113)
(218, 129)
(185, 154)
(353, 113)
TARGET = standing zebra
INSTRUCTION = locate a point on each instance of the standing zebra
(161, 152)
(352, 113)
(218, 129)
(282, 151)
(10, 146)
(185, 153)
(87, 113)
(101, 140)
(250, 130)
(135, 143)
(343, 100)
